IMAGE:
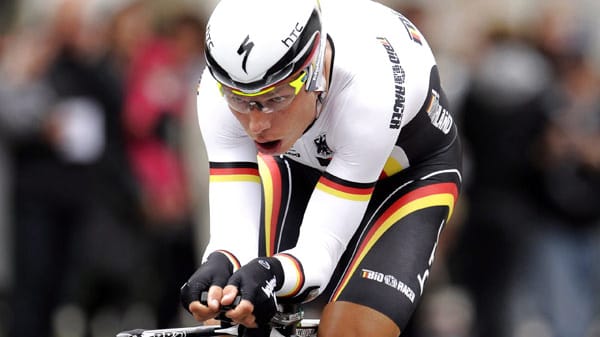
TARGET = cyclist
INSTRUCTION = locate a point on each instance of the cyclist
(334, 163)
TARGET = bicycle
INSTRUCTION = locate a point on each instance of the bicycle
(289, 321)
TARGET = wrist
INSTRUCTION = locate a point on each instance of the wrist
(293, 275)
(273, 265)
(224, 256)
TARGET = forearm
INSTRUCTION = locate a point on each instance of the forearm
(327, 228)
(234, 219)
(309, 267)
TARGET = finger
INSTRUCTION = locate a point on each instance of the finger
(201, 312)
(215, 294)
(229, 294)
(249, 322)
(195, 306)
(212, 321)
(242, 313)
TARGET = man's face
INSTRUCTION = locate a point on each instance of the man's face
(275, 132)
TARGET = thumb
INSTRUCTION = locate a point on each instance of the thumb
(230, 293)
(214, 297)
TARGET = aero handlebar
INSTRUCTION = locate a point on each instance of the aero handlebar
(285, 323)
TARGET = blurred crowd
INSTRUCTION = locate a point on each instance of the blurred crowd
(102, 171)
(521, 259)
(98, 217)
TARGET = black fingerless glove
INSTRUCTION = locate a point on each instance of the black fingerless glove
(257, 282)
(215, 271)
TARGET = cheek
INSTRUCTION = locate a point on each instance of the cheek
(306, 112)
(242, 118)
(303, 108)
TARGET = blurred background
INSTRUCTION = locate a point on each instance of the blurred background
(103, 176)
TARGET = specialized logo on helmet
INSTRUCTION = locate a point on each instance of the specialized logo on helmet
(244, 50)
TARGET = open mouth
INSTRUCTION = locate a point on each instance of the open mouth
(268, 147)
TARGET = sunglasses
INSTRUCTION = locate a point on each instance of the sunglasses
(272, 99)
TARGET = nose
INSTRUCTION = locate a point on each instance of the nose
(258, 121)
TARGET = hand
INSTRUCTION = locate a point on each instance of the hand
(211, 276)
(256, 282)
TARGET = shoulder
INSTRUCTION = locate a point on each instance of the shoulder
(219, 127)
(381, 60)
(211, 108)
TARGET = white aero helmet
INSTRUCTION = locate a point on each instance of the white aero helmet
(254, 44)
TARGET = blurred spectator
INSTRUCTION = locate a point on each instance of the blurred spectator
(7, 9)
(130, 28)
(6, 261)
(25, 100)
(559, 275)
(501, 120)
(159, 84)
(447, 312)
(60, 109)
(91, 106)
(531, 240)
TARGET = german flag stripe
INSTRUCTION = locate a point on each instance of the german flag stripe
(442, 194)
(237, 164)
(234, 261)
(345, 189)
(227, 172)
(271, 180)
(391, 167)
(299, 277)
(415, 36)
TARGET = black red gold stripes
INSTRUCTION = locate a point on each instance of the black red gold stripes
(240, 171)
(234, 261)
(345, 189)
(271, 180)
(299, 275)
(442, 194)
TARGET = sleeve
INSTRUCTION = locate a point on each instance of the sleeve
(234, 182)
(333, 214)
